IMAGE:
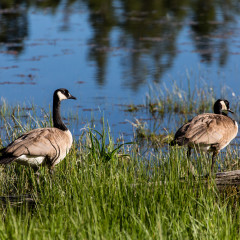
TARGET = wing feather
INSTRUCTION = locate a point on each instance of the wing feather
(208, 128)
(39, 142)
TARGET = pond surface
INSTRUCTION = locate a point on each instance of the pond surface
(109, 53)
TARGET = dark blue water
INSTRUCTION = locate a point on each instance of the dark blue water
(109, 53)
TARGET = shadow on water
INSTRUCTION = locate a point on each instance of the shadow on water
(146, 30)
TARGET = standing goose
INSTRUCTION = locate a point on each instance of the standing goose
(42, 146)
(208, 132)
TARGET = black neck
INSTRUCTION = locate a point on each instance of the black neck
(57, 120)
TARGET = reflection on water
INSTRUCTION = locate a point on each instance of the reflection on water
(13, 29)
(133, 41)
(211, 29)
(146, 29)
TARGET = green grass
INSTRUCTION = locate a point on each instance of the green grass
(120, 199)
(107, 191)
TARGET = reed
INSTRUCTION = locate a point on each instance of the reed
(104, 190)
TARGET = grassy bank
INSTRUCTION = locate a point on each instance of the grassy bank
(122, 198)
(100, 193)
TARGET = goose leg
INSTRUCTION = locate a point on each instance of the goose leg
(189, 152)
(215, 153)
(37, 174)
(51, 170)
(190, 166)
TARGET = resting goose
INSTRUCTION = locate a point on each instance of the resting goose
(42, 146)
(208, 132)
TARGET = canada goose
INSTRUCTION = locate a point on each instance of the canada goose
(42, 146)
(208, 132)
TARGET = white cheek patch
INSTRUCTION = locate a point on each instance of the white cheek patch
(61, 96)
(224, 107)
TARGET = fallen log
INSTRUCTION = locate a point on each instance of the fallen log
(228, 178)
(18, 199)
(227, 182)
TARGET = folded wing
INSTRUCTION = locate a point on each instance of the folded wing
(45, 142)
(205, 129)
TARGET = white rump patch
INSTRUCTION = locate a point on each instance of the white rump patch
(204, 148)
(61, 96)
(30, 160)
(201, 147)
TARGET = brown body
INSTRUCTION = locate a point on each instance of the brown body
(42, 146)
(208, 132)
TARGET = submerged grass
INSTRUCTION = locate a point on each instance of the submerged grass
(99, 193)
(165, 110)
(176, 100)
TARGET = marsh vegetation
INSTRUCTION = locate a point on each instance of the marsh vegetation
(107, 188)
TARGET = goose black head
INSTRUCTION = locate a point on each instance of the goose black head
(221, 106)
(62, 94)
